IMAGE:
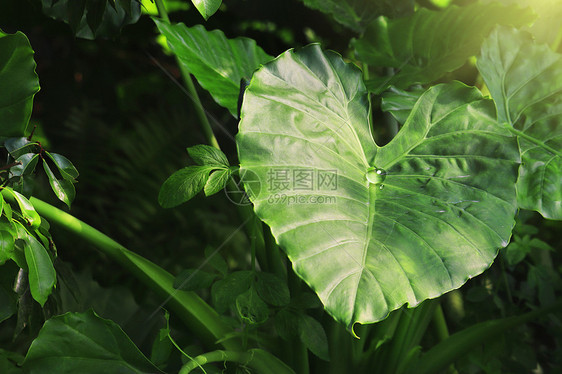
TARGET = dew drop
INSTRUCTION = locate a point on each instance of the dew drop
(375, 175)
(381, 186)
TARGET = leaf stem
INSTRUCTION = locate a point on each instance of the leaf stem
(195, 313)
(199, 110)
(257, 359)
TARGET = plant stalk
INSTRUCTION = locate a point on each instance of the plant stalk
(195, 313)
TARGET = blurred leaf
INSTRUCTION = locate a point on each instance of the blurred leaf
(287, 324)
(313, 336)
(251, 307)
(217, 63)
(63, 188)
(206, 155)
(516, 252)
(225, 291)
(216, 182)
(90, 19)
(183, 185)
(193, 280)
(7, 303)
(525, 81)
(18, 83)
(428, 44)
(87, 344)
(207, 7)
(42, 276)
(216, 260)
(271, 289)
(357, 14)
(400, 102)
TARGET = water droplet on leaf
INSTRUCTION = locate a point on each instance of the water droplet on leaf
(375, 175)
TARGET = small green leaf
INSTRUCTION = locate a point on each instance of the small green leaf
(87, 344)
(515, 253)
(427, 44)
(206, 155)
(42, 276)
(287, 324)
(194, 280)
(66, 168)
(525, 81)
(217, 62)
(272, 289)
(207, 7)
(27, 163)
(313, 336)
(217, 181)
(18, 83)
(225, 291)
(94, 13)
(19, 146)
(251, 307)
(27, 210)
(7, 240)
(216, 260)
(63, 188)
(183, 185)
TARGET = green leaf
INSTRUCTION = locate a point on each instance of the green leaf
(205, 155)
(375, 227)
(356, 14)
(87, 344)
(216, 182)
(427, 44)
(225, 291)
(65, 166)
(287, 324)
(42, 276)
(313, 336)
(27, 163)
(207, 7)
(7, 302)
(525, 81)
(216, 260)
(63, 188)
(183, 185)
(271, 289)
(251, 307)
(218, 63)
(18, 83)
(400, 102)
(7, 240)
(90, 19)
(194, 280)
(26, 208)
(19, 146)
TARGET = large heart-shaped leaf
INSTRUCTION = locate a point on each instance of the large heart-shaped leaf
(18, 83)
(525, 80)
(217, 62)
(371, 228)
(428, 44)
